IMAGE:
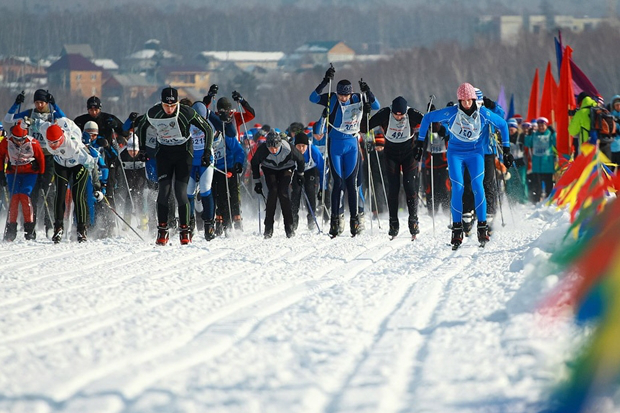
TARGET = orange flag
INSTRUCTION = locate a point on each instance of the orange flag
(565, 101)
(532, 107)
(548, 100)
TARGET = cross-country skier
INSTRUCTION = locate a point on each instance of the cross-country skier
(174, 155)
(398, 122)
(466, 122)
(345, 115)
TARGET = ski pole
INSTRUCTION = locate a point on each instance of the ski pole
(499, 197)
(311, 211)
(326, 133)
(430, 137)
(227, 177)
(105, 198)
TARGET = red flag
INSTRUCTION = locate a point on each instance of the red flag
(565, 101)
(548, 100)
(532, 107)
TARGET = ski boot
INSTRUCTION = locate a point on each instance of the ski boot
(192, 224)
(58, 231)
(361, 223)
(237, 225)
(468, 222)
(10, 233)
(162, 234)
(30, 232)
(457, 235)
(483, 233)
(311, 225)
(219, 225)
(340, 224)
(268, 231)
(394, 227)
(81, 233)
(290, 231)
(355, 225)
(185, 234)
(414, 229)
(334, 226)
(209, 230)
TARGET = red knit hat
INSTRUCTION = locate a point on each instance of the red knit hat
(55, 137)
(18, 130)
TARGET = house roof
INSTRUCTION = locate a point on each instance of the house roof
(74, 62)
(245, 56)
(317, 47)
(132, 79)
(182, 68)
(145, 54)
(107, 64)
(83, 49)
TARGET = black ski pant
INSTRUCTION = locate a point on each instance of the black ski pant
(77, 176)
(278, 182)
(43, 187)
(310, 187)
(223, 196)
(173, 163)
(440, 190)
(538, 179)
(399, 158)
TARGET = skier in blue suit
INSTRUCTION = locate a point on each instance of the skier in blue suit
(466, 121)
(345, 115)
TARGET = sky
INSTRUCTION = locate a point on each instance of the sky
(307, 324)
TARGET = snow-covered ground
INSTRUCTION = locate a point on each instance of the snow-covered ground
(307, 324)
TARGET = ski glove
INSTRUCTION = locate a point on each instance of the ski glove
(258, 188)
(2, 179)
(488, 103)
(20, 98)
(418, 150)
(236, 96)
(238, 168)
(213, 90)
(508, 158)
(207, 158)
(364, 87)
(329, 74)
(300, 179)
(35, 165)
(50, 99)
(133, 116)
(141, 156)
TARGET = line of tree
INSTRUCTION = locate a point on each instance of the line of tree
(416, 71)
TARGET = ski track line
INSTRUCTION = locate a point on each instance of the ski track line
(89, 326)
(215, 335)
(413, 303)
(92, 319)
(21, 265)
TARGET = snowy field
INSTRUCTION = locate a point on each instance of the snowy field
(309, 324)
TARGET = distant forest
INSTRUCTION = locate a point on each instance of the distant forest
(425, 58)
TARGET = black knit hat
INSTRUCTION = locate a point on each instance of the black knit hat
(224, 104)
(580, 97)
(399, 106)
(41, 95)
(301, 138)
(93, 102)
(170, 95)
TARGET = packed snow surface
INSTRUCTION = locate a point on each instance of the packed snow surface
(307, 324)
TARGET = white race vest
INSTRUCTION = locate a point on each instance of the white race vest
(198, 138)
(466, 128)
(37, 119)
(351, 118)
(398, 130)
(20, 154)
(541, 146)
(168, 130)
(310, 164)
(219, 148)
(437, 145)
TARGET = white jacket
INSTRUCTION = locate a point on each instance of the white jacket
(72, 152)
